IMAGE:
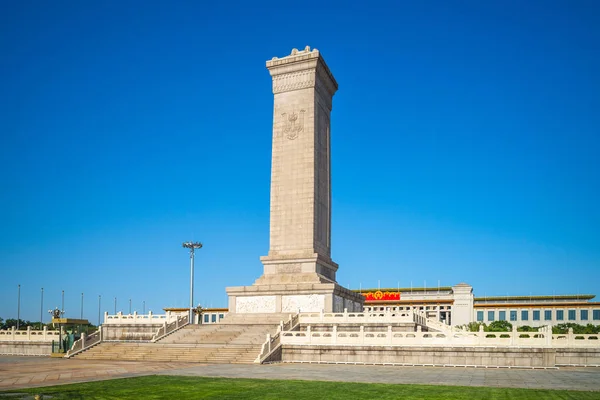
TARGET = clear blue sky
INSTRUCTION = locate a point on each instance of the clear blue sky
(465, 146)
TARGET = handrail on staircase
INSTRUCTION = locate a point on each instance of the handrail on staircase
(85, 342)
(169, 328)
(273, 343)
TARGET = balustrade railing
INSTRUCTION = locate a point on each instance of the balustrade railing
(273, 342)
(571, 339)
(542, 338)
(360, 317)
(169, 328)
(28, 335)
(85, 342)
(139, 319)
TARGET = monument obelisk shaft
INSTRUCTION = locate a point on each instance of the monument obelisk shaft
(300, 228)
(298, 271)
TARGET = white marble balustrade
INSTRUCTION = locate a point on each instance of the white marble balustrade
(362, 317)
(543, 338)
(28, 335)
(139, 319)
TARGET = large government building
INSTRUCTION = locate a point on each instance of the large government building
(456, 305)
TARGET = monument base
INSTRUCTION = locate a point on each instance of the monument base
(293, 298)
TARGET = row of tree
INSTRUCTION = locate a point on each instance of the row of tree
(23, 324)
(505, 326)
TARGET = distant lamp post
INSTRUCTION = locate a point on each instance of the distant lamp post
(42, 310)
(56, 314)
(129, 306)
(144, 307)
(99, 302)
(19, 307)
(81, 315)
(192, 246)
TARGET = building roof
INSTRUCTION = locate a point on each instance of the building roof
(534, 298)
(406, 290)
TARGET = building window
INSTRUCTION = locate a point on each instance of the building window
(572, 315)
(584, 315)
(513, 315)
(548, 315)
(214, 318)
(502, 315)
(206, 318)
(536, 315)
(491, 315)
(221, 316)
(524, 315)
(479, 316)
(596, 315)
(560, 315)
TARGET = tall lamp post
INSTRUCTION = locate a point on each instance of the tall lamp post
(192, 246)
(19, 307)
(42, 310)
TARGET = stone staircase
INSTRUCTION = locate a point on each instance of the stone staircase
(219, 343)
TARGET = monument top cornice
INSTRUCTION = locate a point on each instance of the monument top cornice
(298, 64)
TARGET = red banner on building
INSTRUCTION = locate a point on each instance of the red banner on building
(379, 296)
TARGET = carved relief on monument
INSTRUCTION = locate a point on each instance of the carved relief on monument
(255, 304)
(292, 123)
(293, 81)
(304, 303)
(289, 268)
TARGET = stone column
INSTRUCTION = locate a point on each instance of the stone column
(300, 225)
(298, 272)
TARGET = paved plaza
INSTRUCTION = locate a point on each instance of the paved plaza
(26, 372)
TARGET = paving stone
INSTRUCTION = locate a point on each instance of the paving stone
(23, 373)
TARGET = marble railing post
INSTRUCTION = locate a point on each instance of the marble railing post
(268, 343)
(481, 335)
(362, 334)
(334, 334)
(309, 334)
(570, 337)
(513, 336)
(389, 333)
(83, 340)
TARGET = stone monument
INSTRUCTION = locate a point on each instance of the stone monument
(299, 274)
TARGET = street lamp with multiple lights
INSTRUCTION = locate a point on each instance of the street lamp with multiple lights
(192, 246)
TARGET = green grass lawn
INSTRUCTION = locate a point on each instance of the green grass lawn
(179, 387)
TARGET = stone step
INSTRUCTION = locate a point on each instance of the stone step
(194, 343)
